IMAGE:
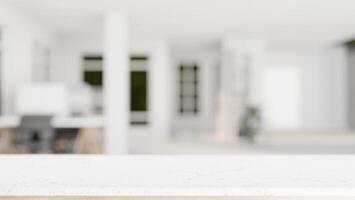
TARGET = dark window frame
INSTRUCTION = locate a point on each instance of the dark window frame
(99, 72)
(182, 95)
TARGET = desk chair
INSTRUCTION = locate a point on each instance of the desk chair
(36, 134)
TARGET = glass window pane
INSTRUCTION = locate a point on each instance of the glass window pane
(139, 91)
(188, 103)
(188, 89)
(188, 75)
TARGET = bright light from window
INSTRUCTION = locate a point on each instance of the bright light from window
(282, 97)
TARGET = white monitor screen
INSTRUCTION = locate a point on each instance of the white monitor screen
(42, 99)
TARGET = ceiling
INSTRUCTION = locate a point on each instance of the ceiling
(196, 22)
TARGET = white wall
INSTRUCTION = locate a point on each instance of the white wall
(67, 57)
(351, 89)
(19, 35)
(335, 81)
(323, 84)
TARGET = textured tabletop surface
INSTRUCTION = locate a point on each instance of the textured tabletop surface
(178, 175)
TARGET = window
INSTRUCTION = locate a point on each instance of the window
(93, 70)
(189, 97)
(277, 81)
(139, 89)
(138, 83)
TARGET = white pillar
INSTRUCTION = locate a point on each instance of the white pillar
(160, 94)
(116, 77)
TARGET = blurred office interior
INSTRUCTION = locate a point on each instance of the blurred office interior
(177, 77)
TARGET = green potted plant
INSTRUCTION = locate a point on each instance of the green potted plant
(250, 123)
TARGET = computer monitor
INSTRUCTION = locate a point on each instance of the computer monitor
(42, 99)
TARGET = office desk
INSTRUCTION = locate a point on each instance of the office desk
(9, 121)
(96, 121)
(87, 131)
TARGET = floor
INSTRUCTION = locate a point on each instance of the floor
(290, 142)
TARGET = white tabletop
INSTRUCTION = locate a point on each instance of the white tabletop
(177, 175)
(9, 121)
(94, 121)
